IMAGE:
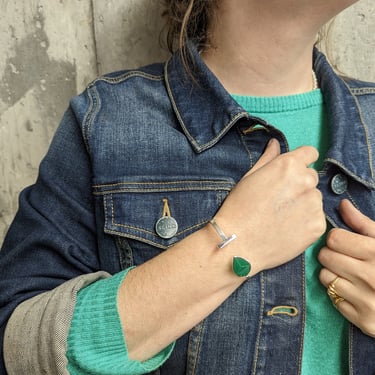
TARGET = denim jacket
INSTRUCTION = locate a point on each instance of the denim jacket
(137, 137)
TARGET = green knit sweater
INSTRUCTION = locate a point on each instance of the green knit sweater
(96, 344)
(303, 120)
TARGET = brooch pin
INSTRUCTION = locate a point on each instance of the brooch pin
(166, 227)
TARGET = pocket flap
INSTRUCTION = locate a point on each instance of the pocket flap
(133, 209)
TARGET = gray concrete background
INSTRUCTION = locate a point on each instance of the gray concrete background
(51, 49)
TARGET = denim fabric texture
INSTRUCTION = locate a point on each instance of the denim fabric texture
(134, 138)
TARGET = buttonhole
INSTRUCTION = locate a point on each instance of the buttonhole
(283, 310)
(253, 128)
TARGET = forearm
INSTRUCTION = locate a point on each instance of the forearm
(164, 298)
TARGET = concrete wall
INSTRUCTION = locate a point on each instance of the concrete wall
(51, 49)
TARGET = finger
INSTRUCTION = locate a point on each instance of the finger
(270, 153)
(351, 244)
(338, 263)
(342, 287)
(326, 276)
(356, 220)
(307, 154)
(313, 176)
(354, 306)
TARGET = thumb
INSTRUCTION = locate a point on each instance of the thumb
(271, 152)
(356, 220)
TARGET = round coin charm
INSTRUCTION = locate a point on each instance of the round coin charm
(166, 227)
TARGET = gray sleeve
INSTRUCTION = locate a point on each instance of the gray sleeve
(35, 340)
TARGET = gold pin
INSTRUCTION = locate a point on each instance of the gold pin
(166, 227)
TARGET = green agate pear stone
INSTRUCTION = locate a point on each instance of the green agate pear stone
(241, 266)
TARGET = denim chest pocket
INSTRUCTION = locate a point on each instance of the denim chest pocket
(133, 213)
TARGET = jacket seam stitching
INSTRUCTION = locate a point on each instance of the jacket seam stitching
(91, 114)
(256, 354)
(174, 106)
(365, 129)
(356, 177)
(303, 314)
(124, 77)
(362, 91)
(150, 190)
(162, 183)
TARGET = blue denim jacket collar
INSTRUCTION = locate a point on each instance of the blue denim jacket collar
(348, 128)
(188, 98)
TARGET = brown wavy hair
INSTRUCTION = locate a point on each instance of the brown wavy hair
(187, 20)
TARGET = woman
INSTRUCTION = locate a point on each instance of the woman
(136, 185)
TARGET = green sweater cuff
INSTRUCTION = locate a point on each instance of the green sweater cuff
(96, 343)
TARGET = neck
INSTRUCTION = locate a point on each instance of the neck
(263, 50)
(257, 72)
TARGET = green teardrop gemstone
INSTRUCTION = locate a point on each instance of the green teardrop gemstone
(241, 266)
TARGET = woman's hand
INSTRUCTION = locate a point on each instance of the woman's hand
(351, 257)
(275, 210)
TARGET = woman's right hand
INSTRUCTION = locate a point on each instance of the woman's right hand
(275, 210)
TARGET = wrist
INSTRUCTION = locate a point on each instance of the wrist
(240, 266)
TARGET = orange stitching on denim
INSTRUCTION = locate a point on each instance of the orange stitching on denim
(224, 131)
(152, 233)
(357, 178)
(112, 210)
(353, 201)
(197, 182)
(105, 211)
(256, 354)
(199, 329)
(365, 130)
(133, 228)
(90, 114)
(163, 182)
(303, 313)
(283, 310)
(351, 344)
(367, 137)
(267, 127)
(94, 97)
(144, 240)
(151, 190)
(123, 77)
(193, 141)
(242, 139)
(97, 103)
(362, 91)
(331, 221)
(174, 106)
(180, 186)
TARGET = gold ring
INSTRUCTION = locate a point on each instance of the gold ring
(332, 293)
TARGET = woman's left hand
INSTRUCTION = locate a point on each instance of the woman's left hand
(349, 259)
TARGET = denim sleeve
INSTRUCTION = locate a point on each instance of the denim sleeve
(53, 237)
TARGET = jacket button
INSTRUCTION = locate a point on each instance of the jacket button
(166, 227)
(339, 184)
